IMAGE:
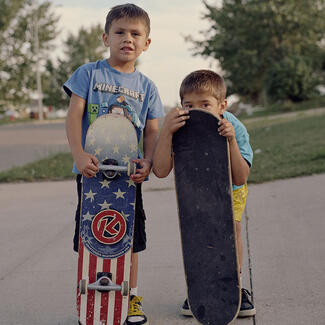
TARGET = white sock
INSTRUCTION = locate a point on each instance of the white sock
(134, 291)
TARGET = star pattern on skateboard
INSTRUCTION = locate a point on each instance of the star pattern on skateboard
(101, 194)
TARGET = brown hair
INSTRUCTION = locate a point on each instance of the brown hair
(204, 81)
(128, 10)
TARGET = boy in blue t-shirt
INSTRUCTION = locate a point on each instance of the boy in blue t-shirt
(114, 85)
(206, 90)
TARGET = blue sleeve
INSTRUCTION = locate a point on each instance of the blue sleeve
(79, 82)
(242, 138)
(155, 109)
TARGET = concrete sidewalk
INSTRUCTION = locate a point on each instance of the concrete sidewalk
(285, 228)
(286, 231)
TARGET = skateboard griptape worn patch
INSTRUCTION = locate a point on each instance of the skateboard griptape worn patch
(204, 199)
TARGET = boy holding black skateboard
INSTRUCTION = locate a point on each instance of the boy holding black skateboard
(205, 89)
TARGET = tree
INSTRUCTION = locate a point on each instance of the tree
(266, 44)
(7, 14)
(18, 57)
(86, 46)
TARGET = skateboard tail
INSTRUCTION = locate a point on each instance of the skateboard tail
(107, 308)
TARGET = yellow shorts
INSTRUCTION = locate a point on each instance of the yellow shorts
(239, 201)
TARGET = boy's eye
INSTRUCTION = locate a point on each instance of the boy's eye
(206, 105)
(188, 105)
(135, 34)
(119, 32)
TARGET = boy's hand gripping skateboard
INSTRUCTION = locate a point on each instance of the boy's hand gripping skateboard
(204, 195)
(106, 225)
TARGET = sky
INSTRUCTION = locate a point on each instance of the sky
(169, 58)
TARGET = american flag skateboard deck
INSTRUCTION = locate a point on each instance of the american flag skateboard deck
(204, 197)
(106, 225)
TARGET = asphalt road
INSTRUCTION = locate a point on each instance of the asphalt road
(285, 260)
(26, 142)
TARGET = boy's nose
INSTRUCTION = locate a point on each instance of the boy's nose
(127, 38)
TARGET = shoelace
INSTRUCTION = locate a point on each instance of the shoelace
(246, 293)
(135, 305)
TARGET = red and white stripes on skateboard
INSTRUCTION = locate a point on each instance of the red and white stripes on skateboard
(102, 308)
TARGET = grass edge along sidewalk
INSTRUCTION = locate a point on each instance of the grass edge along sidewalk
(57, 167)
(283, 149)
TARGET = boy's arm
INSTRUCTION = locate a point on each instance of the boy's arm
(86, 163)
(239, 166)
(149, 141)
(163, 160)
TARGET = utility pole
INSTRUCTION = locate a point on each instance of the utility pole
(38, 72)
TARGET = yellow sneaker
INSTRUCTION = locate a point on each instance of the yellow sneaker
(136, 315)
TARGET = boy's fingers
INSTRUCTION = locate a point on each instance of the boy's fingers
(184, 117)
(137, 178)
(137, 175)
(183, 112)
(181, 119)
(137, 161)
(88, 174)
(140, 163)
(92, 167)
(95, 160)
(224, 124)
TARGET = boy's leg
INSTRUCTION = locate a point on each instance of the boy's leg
(239, 243)
(136, 315)
(139, 236)
(134, 271)
(239, 202)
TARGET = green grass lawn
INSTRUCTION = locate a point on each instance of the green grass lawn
(282, 149)
(288, 149)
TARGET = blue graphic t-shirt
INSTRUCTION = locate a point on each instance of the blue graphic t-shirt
(107, 90)
(242, 138)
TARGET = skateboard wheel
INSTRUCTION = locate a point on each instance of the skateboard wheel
(83, 286)
(125, 288)
(131, 168)
(110, 174)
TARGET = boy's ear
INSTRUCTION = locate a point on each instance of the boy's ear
(105, 39)
(148, 42)
(223, 106)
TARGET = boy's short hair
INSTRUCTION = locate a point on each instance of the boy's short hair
(204, 81)
(128, 10)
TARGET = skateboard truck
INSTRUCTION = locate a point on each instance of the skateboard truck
(110, 168)
(104, 283)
